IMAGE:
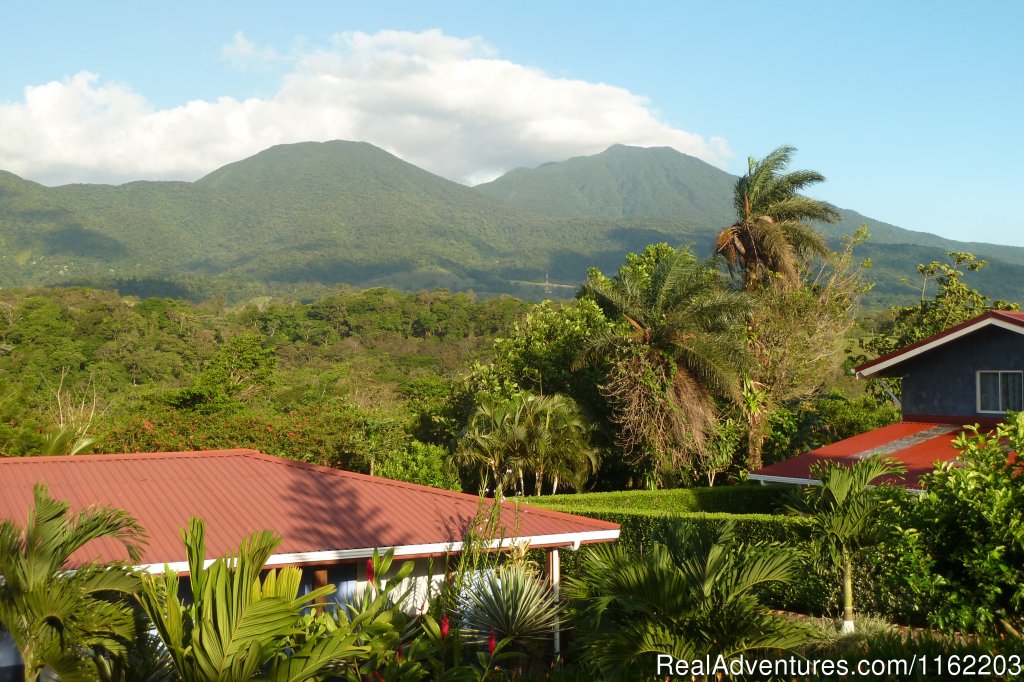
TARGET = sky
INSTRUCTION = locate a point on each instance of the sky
(911, 110)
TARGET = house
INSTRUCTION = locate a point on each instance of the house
(330, 521)
(972, 373)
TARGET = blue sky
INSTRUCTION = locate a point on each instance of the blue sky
(912, 110)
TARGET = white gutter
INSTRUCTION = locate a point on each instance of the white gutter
(806, 481)
(572, 540)
(783, 479)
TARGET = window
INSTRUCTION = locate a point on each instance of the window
(1000, 391)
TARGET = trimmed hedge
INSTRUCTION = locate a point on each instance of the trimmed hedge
(734, 499)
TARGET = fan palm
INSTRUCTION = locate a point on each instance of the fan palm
(771, 232)
(842, 510)
(691, 597)
(682, 348)
(240, 626)
(57, 612)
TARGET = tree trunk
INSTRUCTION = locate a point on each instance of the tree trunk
(755, 441)
(539, 482)
(554, 485)
(847, 594)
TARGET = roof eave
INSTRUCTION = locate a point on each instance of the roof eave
(571, 540)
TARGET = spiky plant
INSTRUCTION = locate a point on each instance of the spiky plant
(692, 596)
(510, 603)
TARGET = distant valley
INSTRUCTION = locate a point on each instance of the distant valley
(321, 214)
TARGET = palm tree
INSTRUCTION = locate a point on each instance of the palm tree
(528, 432)
(492, 442)
(58, 612)
(842, 511)
(557, 441)
(682, 346)
(771, 232)
(240, 626)
(692, 596)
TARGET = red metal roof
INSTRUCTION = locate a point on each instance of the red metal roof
(313, 508)
(916, 445)
(1014, 318)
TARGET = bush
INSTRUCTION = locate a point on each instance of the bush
(737, 499)
(421, 463)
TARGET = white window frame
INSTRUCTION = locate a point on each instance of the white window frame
(999, 372)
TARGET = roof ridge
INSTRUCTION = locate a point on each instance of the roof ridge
(114, 456)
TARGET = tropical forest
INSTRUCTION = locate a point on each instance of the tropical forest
(543, 340)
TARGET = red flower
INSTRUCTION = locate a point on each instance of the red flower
(492, 644)
(147, 425)
(445, 626)
(369, 572)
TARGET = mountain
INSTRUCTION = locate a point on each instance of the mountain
(318, 214)
(692, 200)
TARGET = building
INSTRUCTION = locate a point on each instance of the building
(972, 373)
(330, 521)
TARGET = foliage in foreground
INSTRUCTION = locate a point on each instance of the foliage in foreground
(59, 618)
(843, 511)
(972, 521)
(693, 595)
(238, 625)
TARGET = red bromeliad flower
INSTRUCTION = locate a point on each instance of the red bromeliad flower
(445, 626)
(369, 572)
(492, 644)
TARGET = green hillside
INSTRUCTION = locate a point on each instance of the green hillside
(691, 200)
(301, 216)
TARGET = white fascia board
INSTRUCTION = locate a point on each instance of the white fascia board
(573, 540)
(902, 357)
(783, 479)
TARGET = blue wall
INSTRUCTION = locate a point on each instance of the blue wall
(943, 382)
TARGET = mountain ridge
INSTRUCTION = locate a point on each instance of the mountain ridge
(324, 213)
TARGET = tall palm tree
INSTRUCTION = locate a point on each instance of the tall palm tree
(690, 597)
(56, 612)
(681, 348)
(842, 511)
(771, 232)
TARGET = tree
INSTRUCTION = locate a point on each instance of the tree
(57, 612)
(796, 336)
(692, 596)
(843, 511)
(557, 442)
(954, 302)
(542, 434)
(239, 625)
(771, 233)
(677, 346)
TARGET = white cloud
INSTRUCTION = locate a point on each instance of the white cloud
(449, 105)
(242, 52)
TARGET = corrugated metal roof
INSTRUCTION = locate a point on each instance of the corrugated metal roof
(916, 445)
(237, 492)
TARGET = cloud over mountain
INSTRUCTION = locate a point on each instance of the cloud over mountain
(450, 105)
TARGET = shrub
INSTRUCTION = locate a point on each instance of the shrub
(737, 499)
(421, 463)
